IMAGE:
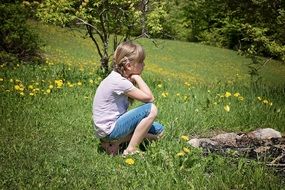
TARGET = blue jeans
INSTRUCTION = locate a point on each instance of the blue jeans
(127, 123)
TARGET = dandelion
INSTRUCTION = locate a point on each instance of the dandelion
(1, 79)
(180, 154)
(178, 94)
(58, 83)
(164, 94)
(48, 91)
(184, 137)
(265, 101)
(31, 94)
(186, 150)
(236, 94)
(227, 108)
(186, 83)
(270, 103)
(30, 87)
(259, 98)
(17, 87)
(159, 85)
(227, 94)
(22, 93)
(79, 83)
(130, 161)
(240, 98)
(91, 81)
(50, 86)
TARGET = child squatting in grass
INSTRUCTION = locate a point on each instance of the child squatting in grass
(113, 123)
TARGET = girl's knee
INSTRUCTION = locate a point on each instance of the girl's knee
(153, 111)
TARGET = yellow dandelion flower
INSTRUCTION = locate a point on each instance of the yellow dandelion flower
(159, 85)
(259, 98)
(1, 79)
(79, 83)
(186, 150)
(58, 83)
(270, 103)
(227, 94)
(180, 153)
(50, 86)
(129, 161)
(184, 137)
(31, 94)
(91, 81)
(186, 83)
(265, 101)
(48, 91)
(30, 87)
(164, 94)
(22, 93)
(11, 80)
(178, 94)
(17, 87)
(236, 94)
(227, 108)
(240, 98)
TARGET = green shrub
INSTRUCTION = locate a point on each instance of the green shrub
(15, 37)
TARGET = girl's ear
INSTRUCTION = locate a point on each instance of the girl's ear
(128, 66)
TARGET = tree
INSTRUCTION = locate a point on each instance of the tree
(101, 18)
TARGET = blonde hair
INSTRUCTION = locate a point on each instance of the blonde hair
(127, 52)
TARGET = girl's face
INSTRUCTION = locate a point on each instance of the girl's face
(137, 68)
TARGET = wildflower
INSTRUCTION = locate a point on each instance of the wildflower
(236, 94)
(79, 83)
(215, 103)
(181, 153)
(22, 93)
(164, 94)
(17, 87)
(48, 91)
(259, 98)
(227, 94)
(31, 94)
(185, 138)
(186, 150)
(50, 86)
(58, 83)
(227, 108)
(130, 161)
(178, 94)
(159, 85)
(91, 81)
(270, 103)
(30, 87)
(265, 101)
(186, 83)
(240, 98)
(1, 79)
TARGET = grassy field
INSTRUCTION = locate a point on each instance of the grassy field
(47, 137)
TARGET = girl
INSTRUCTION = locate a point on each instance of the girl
(113, 123)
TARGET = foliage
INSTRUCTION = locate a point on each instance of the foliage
(239, 25)
(15, 38)
(101, 19)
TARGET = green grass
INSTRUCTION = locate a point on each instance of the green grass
(47, 138)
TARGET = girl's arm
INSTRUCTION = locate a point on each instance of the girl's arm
(143, 92)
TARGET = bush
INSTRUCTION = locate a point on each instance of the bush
(15, 37)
